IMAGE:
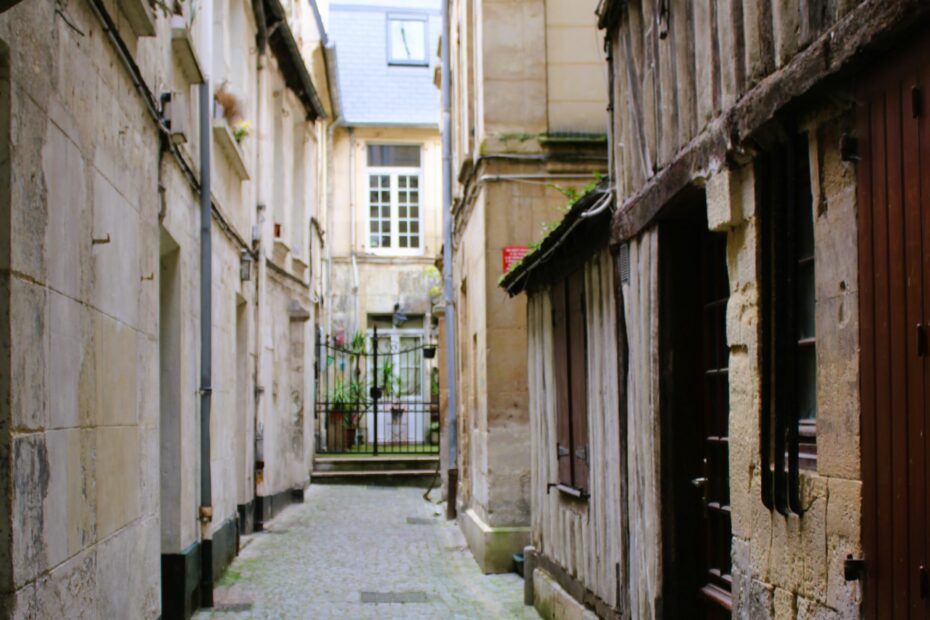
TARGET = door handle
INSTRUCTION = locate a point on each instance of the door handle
(699, 483)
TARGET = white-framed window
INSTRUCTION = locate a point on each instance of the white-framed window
(406, 40)
(395, 208)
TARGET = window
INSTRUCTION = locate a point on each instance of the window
(394, 224)
(401, 371)
(788, 353)
(571, 383)
(407, 41)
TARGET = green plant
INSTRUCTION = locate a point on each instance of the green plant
(347, 395)
(434, 383)
(389, 381)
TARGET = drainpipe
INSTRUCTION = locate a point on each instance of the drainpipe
(206, 319)
(353, 224)
(451, 413)
(335, 96)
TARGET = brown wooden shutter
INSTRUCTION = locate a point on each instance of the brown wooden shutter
(579, 378)
(562, 371)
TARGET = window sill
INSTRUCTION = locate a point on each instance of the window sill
(230, 148)
(182, 45)
(140, 15)
(409, 63)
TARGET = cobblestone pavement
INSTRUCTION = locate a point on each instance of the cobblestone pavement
(348, 545)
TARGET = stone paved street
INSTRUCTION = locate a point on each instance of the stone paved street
(318, 558)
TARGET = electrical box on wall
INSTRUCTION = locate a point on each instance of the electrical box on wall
(176, 114)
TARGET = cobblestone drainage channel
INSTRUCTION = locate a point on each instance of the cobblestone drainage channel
(421, 521)
(394, 597)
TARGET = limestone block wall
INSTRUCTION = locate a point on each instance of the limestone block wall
(100, 319)
(79, 422)
(793, 566)
(382, 279)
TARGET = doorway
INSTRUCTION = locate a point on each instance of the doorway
(894, 266)
(695, 415)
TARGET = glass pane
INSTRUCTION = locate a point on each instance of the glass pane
(402, 227)
(408, 40)
(394, 155)
(414, 182)
(415, 226)
(402, 241)
(414, 241)
(807, 382)
(385, 241)
(806, 301)
(409, 365)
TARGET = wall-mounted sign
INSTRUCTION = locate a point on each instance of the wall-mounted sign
(513, 254)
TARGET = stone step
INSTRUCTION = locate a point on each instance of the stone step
(374, 463)
(383, 477)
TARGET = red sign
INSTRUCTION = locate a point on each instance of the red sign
(513, 254)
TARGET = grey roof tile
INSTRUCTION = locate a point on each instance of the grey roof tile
(372, 91)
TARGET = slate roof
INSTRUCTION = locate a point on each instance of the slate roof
(372, 92)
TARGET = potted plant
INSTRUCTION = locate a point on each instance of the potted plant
(346, 409)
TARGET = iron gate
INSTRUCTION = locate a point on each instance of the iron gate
(378, 394)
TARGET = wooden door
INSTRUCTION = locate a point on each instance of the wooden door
(894, 267)
(695, 420)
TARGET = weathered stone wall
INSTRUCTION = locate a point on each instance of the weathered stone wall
(100, 313)
(792, 566)
(80, 330)
(377, 280)
(506, 98)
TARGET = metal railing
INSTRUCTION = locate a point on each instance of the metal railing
(377, 394)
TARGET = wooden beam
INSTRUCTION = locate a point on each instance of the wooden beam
(864, 31)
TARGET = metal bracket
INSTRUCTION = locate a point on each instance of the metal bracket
(582, 454)
(563, 451)
(567, 490)
(849, 148)
(853, 569)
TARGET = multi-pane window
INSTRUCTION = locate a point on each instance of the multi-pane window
(394, 199)
(788, 359)
(379, 210)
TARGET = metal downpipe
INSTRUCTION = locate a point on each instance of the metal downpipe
(451, 358)
(206, 345)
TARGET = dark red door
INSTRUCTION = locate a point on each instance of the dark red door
(894, 267)
(695, 418)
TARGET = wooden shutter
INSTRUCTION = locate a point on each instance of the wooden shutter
(562, 389)
(579, 378)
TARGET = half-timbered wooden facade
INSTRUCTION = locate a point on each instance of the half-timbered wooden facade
(756, 416)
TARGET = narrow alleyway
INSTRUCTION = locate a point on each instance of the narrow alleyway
(363, 552)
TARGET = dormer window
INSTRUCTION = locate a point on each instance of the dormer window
(407, 40)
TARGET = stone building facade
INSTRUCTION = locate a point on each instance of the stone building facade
(387, 136)
(528, 100)
(771, 453)
(104, 512)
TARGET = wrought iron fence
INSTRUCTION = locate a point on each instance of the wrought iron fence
(378, 394)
